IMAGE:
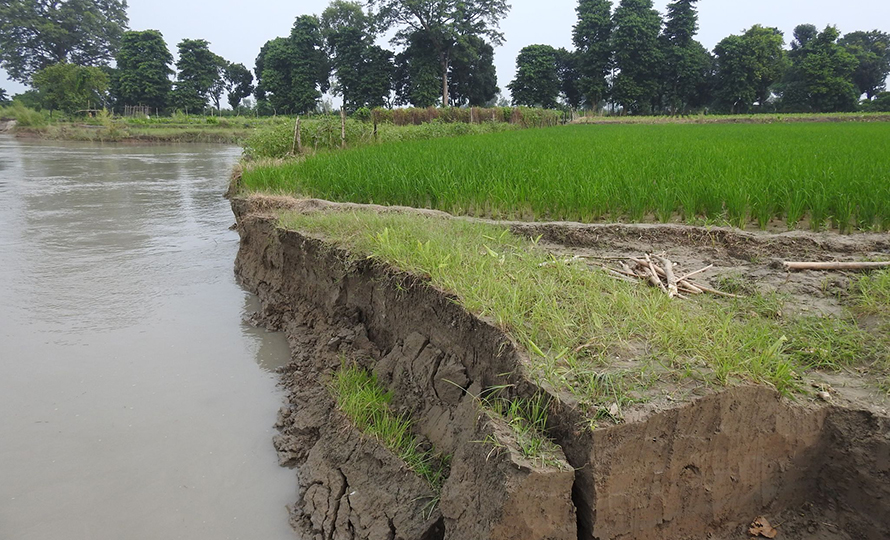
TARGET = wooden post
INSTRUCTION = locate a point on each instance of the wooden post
(342, 127)
(297, 146)
(375, 127)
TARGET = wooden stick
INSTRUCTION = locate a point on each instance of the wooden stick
(669, 276)
(718, 293)
(622, 272)
(835, 265)
(697, 272)
(689, 287)
(655, 273)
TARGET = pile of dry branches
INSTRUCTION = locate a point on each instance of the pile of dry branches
(660, 272)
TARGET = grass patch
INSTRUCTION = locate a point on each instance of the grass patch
(367, 405)
(527, 419)
(815, 174)
(570, 318)
(871, 293)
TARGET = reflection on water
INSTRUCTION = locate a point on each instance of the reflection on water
(132, 405)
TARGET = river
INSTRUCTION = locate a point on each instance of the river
(135, 403)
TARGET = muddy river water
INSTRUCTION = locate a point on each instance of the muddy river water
(135, 403)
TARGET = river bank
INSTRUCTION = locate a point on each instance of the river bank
(212, 134)
(685, 458)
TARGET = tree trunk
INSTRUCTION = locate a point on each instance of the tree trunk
(445, 65)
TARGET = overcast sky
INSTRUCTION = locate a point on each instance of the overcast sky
(236, 29)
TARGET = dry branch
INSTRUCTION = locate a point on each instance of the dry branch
(662, 275)
(834, 265)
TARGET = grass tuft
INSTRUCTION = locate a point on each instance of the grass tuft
(367, 405)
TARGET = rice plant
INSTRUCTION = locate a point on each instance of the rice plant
(806, 174)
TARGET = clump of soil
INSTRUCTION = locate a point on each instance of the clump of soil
(706, 466)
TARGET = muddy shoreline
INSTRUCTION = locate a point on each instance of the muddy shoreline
(703, 466)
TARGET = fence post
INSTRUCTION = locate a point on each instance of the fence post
(297, 146)
(342, 127)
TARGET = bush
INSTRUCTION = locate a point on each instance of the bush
(881, 103)
(276, 140)
(24, 116)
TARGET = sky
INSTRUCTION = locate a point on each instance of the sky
(236, 30)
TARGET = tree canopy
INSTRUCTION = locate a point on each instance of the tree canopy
(197, 72)
(363, 70)
(446, 24)
(537, 81)
(69, 87)
(35, 34)
(143, 70)
(238, 82)
(293, 72)
(686, 63)
(637, 55)
(820, 78)
(872, 52)
(473, 79)
(747, 66)
(417, 78)
(592, 39)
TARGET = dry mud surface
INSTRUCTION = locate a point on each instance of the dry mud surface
(703, 467)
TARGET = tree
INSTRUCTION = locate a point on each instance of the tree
(636, 26)
(473, 78)
(293, 72)
(592, 38)
(686, 63)
(417, 79)
(567, 67)
(143, 70)
(219, 85)
(747, 67)
(197, 72)
(239, 83)
(68, 87)
(363, 70)
(35, 34)
(872, 52)
(4, 98)
(446, 24)
(821, 75)
(537, 81)
(880, 103)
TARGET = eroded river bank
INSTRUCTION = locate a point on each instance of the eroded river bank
(135, 401)
(689, 463)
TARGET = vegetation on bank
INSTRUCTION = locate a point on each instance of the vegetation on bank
(573, 320)
(283, 137)
(805, 174)
(367, 404)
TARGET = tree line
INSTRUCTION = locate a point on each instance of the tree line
(629, 59)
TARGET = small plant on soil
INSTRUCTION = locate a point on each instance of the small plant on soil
(367, 404)
(527, 419)
(871, 293)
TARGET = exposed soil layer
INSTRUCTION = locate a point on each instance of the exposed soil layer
(703, 467)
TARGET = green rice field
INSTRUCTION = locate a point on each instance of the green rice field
(813, 175)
